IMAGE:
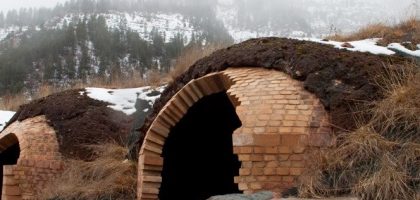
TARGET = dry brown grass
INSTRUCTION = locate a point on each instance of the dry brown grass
(381, 159)
(115, 81)
(109, 176)
(12, 101)
(192, 55)
(407, 31)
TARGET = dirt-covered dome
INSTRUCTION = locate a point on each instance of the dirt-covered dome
(339, 78)
(78, 120)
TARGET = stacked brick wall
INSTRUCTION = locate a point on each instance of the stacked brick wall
(281, 122)
(39, 159)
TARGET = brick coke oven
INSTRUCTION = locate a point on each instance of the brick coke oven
(239, 130)
(245, 118)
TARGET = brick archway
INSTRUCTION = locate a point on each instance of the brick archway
(38, 161)
(281, 122)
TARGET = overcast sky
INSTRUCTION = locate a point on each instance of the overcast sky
(6, 5)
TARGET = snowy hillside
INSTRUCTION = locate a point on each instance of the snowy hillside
(288, 18)
(168, 25)
(305, 18)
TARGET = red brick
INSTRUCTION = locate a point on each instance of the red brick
(270, 157)
(283, 171)
(267, 140)
(298, 163)
(271, 150)
(255, 186)
(11, 190)
(242, 186)
(244, 171)
(296, 171)
(284, 149)
(270, 171)
(288, 178)
(256, 157)
(296, 157)
(257, 171)
(259, 150)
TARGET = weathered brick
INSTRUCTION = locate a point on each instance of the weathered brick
(255, 186)
(296, 157)
(283, 171)
(257, 171)
(284, 149)
(267, 139)
(296, 171)
(244, 171)
(270, 171)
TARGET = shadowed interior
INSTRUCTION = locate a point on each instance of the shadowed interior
(8, 157)
(198, 154)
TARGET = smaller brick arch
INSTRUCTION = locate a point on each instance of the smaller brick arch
(38, 161)
(281, 122)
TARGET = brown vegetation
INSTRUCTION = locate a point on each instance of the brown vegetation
(407, 31)
(381, 159)
(109, 176)
(190, 56)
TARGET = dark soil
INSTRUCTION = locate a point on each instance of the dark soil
(339, 78)
(78, 121)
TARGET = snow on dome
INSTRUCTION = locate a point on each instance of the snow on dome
(124, 100)
(5, 116)
(367, 45)
(400, 48)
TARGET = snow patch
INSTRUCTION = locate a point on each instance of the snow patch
(400, 48)
(5, 116)
(368, 45)
(124, 100)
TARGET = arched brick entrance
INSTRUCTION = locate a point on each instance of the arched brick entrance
(33, 158)
(281, 122)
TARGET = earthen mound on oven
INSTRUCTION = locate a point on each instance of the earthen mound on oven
(78, 121)
(339, 78)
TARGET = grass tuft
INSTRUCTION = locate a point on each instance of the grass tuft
(108, 176)
(381, 159)
(407, 31)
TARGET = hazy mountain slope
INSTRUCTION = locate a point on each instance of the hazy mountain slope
(311, 18)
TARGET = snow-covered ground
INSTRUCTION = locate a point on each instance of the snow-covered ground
(125, 99)
(368, 45)
(5, 116)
